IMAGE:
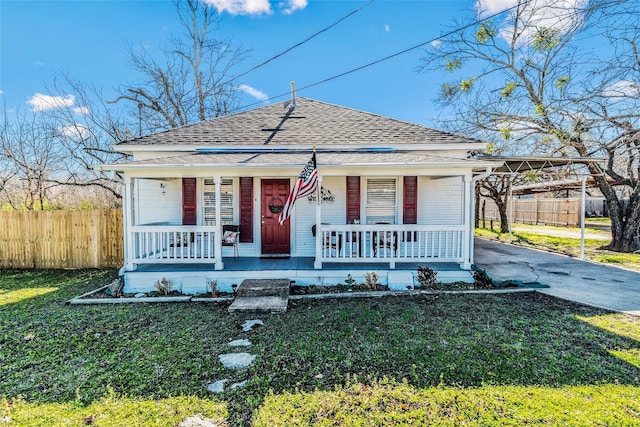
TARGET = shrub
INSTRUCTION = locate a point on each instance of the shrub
(164, 286)
(212, 285)
(482, 279)
(427, 277)
(115, 288)
(371, 280)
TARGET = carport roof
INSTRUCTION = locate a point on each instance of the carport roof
(523, 164)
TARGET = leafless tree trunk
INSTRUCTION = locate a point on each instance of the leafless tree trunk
(192, 82)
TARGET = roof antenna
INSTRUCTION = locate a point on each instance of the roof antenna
(292, 103)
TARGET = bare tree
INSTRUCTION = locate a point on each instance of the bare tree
(85, 132)
(191, 83)
(29, 153)
(525, 80)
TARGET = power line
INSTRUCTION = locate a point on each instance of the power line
(284, 52)
(386, 58)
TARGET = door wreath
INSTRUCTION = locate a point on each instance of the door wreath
(276, 205)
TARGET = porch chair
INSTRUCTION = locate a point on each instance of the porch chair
(386, 240)
(329, 241)
(230, 237)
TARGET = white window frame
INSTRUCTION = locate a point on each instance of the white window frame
(366, 206)
(229, 197)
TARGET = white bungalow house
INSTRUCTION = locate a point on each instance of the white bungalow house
(393, 195)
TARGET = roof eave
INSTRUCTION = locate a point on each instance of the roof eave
(463, 163)
(141, 148)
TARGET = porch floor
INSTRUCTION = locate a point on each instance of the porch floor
(293, 263)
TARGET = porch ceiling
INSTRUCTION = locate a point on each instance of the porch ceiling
(298, 159)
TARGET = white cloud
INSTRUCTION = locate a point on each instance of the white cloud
(81, 110)
(1, 92)
(486, 8)
(76, 131)
(436, 43)
(387, 28)
(256, 93)
(622, 89)
(40, 102)
(39, 64)
(241, 7)
(291, 6)
(558, 14)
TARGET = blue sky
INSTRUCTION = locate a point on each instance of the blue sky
(88, 40)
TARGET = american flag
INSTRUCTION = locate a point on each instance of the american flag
(306, 184)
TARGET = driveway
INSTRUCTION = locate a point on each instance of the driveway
(569, 278)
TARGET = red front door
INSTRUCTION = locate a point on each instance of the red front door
(275, 237)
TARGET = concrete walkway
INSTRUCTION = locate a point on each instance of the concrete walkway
(569, 278)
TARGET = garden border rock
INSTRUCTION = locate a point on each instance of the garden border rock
(80, 300)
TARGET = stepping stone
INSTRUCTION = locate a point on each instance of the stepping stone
(239, 343)
(249, 324)
(268, 295)
(217, 387)
(236, 360)
(237, 385)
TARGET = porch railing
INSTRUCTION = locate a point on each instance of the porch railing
(391, 243)
(167, 244)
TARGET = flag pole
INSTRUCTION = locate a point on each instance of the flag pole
(318, 261)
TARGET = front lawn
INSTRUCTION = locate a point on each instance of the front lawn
(437, 359)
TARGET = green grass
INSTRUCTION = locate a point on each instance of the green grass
(436, 359)
(601, 220)
(565, 245)
(588, 229)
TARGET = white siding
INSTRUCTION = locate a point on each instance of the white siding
(154, 206)
(305, 215)
(440, 200)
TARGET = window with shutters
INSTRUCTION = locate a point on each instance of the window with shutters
(353, 199)
(381, 200)
(226, 201)
(189, 201)
(246, 209)
(410, 200)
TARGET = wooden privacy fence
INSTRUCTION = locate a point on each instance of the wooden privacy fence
(61, 239)
(535, 211)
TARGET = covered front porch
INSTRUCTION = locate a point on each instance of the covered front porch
(176, 227)
(355, 244)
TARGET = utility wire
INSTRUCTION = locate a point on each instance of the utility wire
(386, 58)
(284, 52)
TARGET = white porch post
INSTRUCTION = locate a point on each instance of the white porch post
(317, 264)
(127, 217)
(217, 241)
(468, 221)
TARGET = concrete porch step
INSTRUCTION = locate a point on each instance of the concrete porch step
(264, 288)
(265, 304)
(266, 295)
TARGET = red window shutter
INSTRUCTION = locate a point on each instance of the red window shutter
(410, 199)
(246, 209)
(189, 204)
(353, 198)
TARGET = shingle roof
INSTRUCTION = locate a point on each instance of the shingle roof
(312, 122)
